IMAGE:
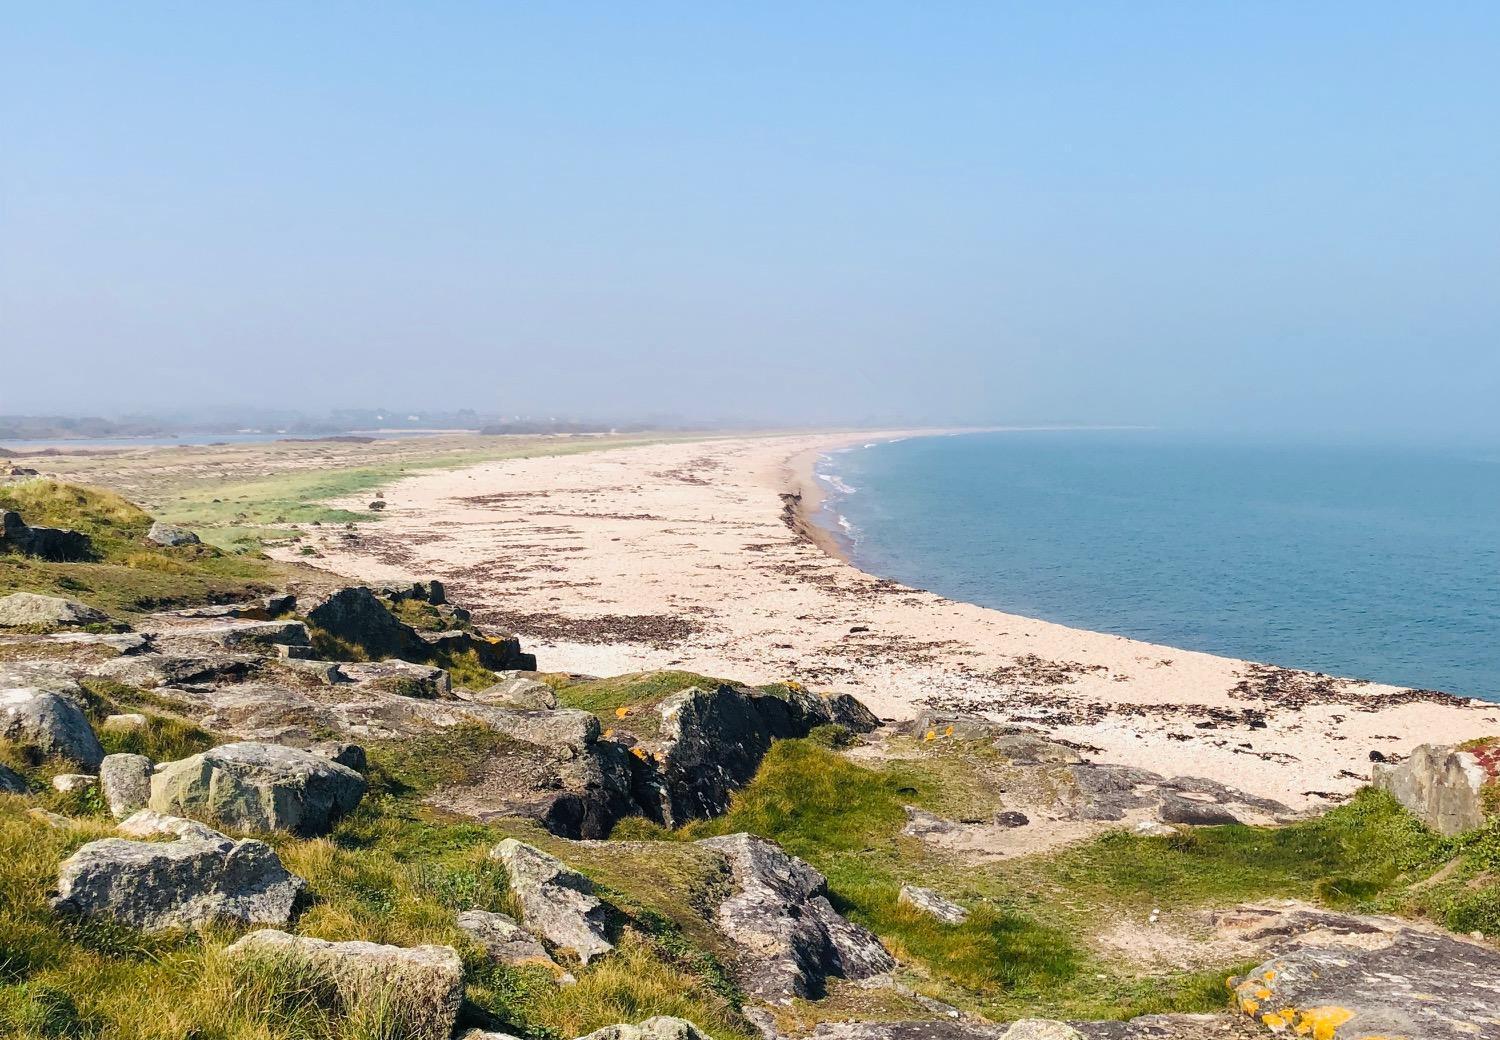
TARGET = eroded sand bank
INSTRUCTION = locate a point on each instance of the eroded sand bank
(682, 556)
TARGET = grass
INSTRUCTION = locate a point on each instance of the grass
(129, 575)
(627, 701)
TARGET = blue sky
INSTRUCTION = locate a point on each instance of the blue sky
(1272, 216)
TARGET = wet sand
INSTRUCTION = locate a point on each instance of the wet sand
(703, 556)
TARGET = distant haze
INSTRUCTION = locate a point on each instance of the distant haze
(1235, 216)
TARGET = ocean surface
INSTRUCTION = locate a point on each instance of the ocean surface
(1375, 562)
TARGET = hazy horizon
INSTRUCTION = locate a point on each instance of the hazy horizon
(1264, 218)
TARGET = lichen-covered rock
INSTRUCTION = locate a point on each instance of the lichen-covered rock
(400, 677)
(49, 723)
(253, 786)
(790, 938)
(503, 939)
(557, 903)
(422, 986)
(1148, 1027)
(126, 783)
(517, 692)
(126, 722)
(1350, 977)
(1101, 791)
(932, 904)
(184, 883)
(68, 782)
(247, 635)
(147, 824)
(660, 1027)
(1442, 785)
(170, 535)
(29, 610)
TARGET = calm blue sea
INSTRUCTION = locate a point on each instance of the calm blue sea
(1376, 562)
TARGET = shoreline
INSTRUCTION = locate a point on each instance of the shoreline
(706, 556)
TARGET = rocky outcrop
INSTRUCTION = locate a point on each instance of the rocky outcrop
(189, 882)
(1361, 978)
(49, 723)
(557, 903)
(1443, 786)
(356, 617)
(147, 824)
(125, 781)
(28, 610)
(170, 535)
(46, 543)
(422, 986)
(1149, 1027)
(517, 692)
(503, 939)
(254, 786)
(661, 1027)
(711, 742)
(790, 938)
(1111, 792)
(932, 904)
(399, 677)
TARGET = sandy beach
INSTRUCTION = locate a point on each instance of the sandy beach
(701, 556)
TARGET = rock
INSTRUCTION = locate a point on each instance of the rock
(660, 1027)
(1176, 809)
(1155, 829)
(1340, 975)
(29, 610)
(355, 616)
(184, 883)
(505, 940)
(1011, 818)
(149, 670)
(421, 986)
(47, 543)
(1032, 749)
(232, 635)
(254, 786)
(932, 724)
(377, 505)
(922, 824)
(711, 742)
(147, 824)
(49, 723)
(126, 783)
(170, 535)
(129, 722)
(1109, 792)
(110, 642)
(1149, 1027)
(557, 903)
(497, 653)
(11, 782)
(790, 937)
(401, 678)
(1040, 1029)
(351, 755)
(932, 904)
(69, 782)
(518, 692)
(486, 1034)
(1442, 785)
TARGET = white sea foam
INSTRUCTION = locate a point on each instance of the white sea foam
(833, 481)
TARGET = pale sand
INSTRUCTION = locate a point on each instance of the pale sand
(679, 555)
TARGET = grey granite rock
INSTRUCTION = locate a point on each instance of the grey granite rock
(1442, 785)
(557, 903)
(932, 904)
(27, 609)
(170, 535)
(254, 786)
(50, 723)
(126, 783)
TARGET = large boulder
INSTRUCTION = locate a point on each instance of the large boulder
(557, 903)
(126, 783)
(355, 616)
(147, 824)
(49, 723)
(253, 786)
(189, 882)
(170, 535)
(1362, 978)
(791, 939)
(421, 986)
(660, 1027)
(47, 543)
(711, 742)
(29, 610)
(1444, 786)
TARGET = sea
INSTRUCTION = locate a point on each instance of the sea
(1373, 561)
